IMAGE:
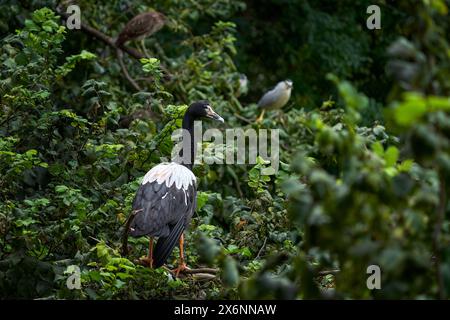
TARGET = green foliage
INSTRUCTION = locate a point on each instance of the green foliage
(376, 194)
(364, 150)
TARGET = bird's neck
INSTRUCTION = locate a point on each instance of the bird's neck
(188, 142)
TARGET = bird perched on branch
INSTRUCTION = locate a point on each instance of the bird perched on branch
(243, 85)
(140, 27)
(166, 200)
(275, 98)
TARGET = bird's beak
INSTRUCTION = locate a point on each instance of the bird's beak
(212, 115)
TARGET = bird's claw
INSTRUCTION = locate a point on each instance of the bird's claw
(181, 268)
(261, 117)
(146, 261)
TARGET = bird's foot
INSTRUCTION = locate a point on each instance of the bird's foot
(183, 268)
(146, 261)
(283, 119)
(261, 117)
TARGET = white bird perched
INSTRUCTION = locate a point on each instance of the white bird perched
(276, 98)
(243, 84)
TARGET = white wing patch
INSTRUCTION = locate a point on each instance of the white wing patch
(170, 173)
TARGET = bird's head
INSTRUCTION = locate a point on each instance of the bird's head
(288, 84)
(158, 19)
(202, 109)
(161, 16)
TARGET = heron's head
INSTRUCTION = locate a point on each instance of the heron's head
(288, 83)
(202, 109)
(163, 17)
(157, 15)
(243, 80)
(155, 18)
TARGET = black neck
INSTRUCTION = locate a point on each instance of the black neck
(188, 144)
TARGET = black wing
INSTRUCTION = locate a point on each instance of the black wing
(162, 212)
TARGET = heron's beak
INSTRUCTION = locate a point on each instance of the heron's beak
(212, 115)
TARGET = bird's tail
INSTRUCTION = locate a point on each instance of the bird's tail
(165, 245)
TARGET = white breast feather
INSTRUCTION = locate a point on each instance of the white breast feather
(170, 173)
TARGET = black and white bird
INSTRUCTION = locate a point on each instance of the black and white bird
(166, 200)
(276, 98)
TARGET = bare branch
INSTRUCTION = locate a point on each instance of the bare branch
(327, 272)
(125, 71)
(104, 38)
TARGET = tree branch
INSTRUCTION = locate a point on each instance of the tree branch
(104, 38)
(327, 272)
(125, 71)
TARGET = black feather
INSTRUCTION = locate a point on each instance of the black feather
(162, 209)
(164, 245)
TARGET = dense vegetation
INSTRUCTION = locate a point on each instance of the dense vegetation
(365, 156)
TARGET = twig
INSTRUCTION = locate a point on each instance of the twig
(125, 71)
(238, 187)
(201, 271)
(242, 118)
(203, 276)
(236, 182)
(261, 249)
(95, 239)
(327, 272)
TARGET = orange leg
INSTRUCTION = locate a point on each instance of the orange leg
(261, 116)
(150, 252)
(182, 265)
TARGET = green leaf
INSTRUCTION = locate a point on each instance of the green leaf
(391, 156)
(410, 110)
(202, 199)
(406, 165)
(377, 147)
(61, 189)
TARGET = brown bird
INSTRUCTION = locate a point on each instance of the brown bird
(140, 27)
